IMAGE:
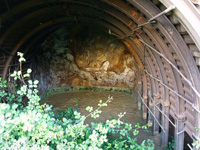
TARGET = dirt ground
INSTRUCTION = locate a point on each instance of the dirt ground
(122, 102)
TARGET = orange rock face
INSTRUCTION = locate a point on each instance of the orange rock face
(86, 58)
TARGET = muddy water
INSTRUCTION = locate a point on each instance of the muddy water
(122, 102)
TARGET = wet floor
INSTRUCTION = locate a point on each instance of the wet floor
(122, 102)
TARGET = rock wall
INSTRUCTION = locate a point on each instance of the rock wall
(82, 57)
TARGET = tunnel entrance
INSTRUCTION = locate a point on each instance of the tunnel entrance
(149, 46)
(79, 65)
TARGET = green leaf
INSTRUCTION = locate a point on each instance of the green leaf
(8, 115)
(26, 75)
(89, 109)
(19, 73)
(30, 81)
(36, 82)
(29, 71)
(135, 132)
(14, 106)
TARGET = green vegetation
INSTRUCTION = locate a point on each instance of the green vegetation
(170, 146)
(34, 126)
(196, 143)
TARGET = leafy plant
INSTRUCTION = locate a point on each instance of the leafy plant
(34, 126)
(170, 146)
(196, 143)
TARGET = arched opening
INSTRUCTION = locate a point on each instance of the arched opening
(160, 47)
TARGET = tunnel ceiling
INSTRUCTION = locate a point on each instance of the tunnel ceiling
(175, 35)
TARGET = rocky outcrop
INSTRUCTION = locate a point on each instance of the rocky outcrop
(85, 59)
